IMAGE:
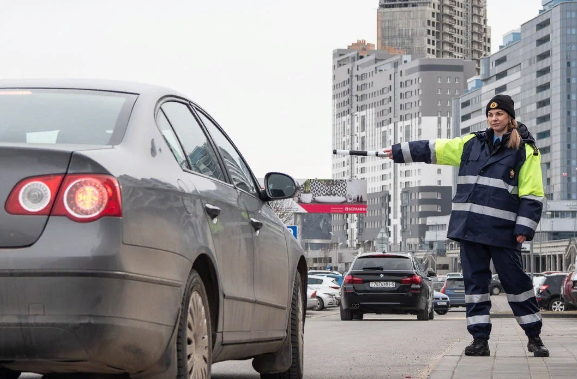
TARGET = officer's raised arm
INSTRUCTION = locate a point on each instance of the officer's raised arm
(437, 151)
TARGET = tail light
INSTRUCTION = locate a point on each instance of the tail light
(314, 295)
(542, 288)
(335, 287)
(80, 197)
(415, 279)
(443, 289)
(349, 279)
(34, 196)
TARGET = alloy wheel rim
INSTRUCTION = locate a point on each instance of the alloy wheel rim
(196, 338)
(558, 306)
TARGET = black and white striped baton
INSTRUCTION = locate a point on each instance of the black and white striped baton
(362, 153)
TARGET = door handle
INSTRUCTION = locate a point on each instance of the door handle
(256, 224)
(212, 211)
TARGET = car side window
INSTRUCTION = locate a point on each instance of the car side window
(171, 139)
(200, 154)
(237, 168)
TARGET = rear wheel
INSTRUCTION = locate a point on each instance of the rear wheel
(557, 305)
(346, 314)
(194, 342)
(441, 312)
(9, 374)
(432, 313)
(358, 316)
(297, 329)
(423, 315)
(320, 305)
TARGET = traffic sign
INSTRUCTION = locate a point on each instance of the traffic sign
(294, 230)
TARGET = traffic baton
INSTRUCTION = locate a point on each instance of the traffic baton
(362, 153)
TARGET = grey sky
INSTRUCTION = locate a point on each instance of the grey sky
(262, 68)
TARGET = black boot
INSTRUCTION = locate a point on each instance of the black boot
(537, 347)
(479, 348)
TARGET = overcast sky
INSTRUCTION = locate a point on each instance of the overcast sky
(262, 68)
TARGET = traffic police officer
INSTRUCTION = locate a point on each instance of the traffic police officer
(497, 207)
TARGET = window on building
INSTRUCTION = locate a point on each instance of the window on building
(543, 119)
(543, 56)
(545, 134)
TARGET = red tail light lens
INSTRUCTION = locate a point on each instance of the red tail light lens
(80, 197)
(543, 288)
(313, 295)
(349, 279)
(335, 287)
(34, 196)
(86, 198)
(443, 289)
(415, 279)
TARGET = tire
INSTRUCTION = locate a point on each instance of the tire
(358, 316)
(346, 314)
(423, 315)
(194, 340)
(441, 313)
(432, 313)
(320, 306)
(557, 305)
(9, 374)
(495, 291)
(297, 329)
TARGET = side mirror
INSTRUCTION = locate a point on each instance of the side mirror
(279, 186)
(431, 273)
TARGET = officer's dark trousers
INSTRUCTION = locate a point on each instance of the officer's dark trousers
(475, 259)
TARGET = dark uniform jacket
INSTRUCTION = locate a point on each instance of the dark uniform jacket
(499, 190)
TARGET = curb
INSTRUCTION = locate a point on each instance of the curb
(544, 314)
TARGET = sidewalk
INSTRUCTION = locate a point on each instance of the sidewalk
(509, 356)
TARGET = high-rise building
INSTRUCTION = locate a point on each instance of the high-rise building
(380, 99)
(540, 73)
(549, 4)
(434, 28)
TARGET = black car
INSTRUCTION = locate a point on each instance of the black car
(548, 291)
(387, 283)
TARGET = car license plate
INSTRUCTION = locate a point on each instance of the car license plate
(382, 284)
(441, 303)
(459, 291)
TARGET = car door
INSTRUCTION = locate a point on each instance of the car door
(227, 218)
(272, 281)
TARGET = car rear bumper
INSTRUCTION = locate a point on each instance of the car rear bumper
(98, 308)
(383, 302)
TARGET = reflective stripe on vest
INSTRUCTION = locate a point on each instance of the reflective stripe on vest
(484, 210)
(491, 182)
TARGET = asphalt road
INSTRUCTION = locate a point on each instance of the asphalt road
(380, 346)
(377, 347)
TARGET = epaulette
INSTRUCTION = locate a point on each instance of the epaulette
(535, 148)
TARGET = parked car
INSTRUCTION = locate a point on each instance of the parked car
(326, 300)
(135, 239)
(338, 278)
(495, 287)
(327, 285)
(566, 291)
(437, 283)
(387, 283)
(454, 288)
(442, 303)
(324, 272)
(312, 301)
(549, 292)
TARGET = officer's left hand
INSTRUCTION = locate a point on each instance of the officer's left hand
(521, 239)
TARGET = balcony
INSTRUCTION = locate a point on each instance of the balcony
(448, 38)
(449, 21)
(478, 4)
(478, 20)
(449, 29)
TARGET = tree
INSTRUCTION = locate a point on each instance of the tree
(284, 210)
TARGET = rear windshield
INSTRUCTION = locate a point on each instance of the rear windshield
(53, 116)
(382, 263)
(455, 283)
